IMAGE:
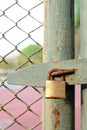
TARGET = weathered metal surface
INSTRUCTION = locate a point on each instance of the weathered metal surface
(59, 30)
(83, 54)
(83, 29)
(58, 114)
(58, 45)
(59, 73)
(37, 74)
(55, 89)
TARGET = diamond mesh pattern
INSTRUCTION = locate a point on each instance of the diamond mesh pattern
(21, 24)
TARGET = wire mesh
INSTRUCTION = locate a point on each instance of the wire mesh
(21, 40)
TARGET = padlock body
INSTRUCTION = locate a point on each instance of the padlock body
(55, 89)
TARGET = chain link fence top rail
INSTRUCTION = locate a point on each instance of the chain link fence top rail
(21, 39)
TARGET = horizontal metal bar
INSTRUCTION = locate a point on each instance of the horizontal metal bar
(37, 74)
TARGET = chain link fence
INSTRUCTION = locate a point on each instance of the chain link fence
(21, 40)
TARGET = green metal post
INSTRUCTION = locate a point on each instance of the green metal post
(59, 45)
(83, 54)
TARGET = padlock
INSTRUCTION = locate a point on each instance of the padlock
(55, 89)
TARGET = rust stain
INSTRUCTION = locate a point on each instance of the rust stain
(56, 114)
(59, 72)
(56, 62)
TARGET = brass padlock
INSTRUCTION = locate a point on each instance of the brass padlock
(56, 89)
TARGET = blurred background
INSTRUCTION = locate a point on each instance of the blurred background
(21, 33)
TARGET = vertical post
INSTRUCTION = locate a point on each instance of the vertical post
(83, 54)
(77, 107)
(59, 45)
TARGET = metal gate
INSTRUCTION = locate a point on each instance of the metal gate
(21, 23)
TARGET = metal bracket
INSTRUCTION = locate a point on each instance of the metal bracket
(36, 75)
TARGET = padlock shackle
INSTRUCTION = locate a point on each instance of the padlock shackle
(59, 72)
